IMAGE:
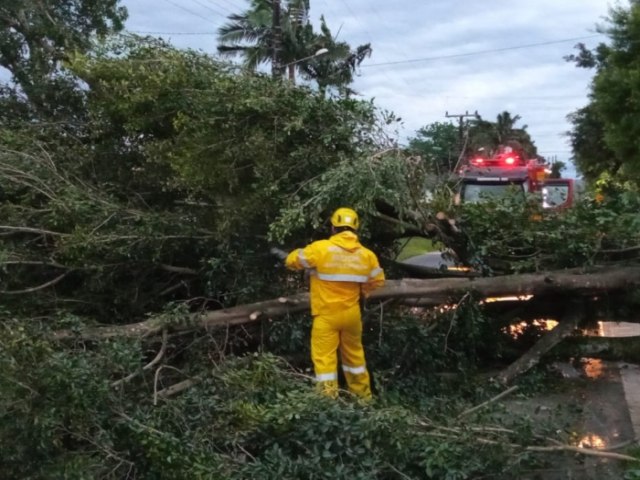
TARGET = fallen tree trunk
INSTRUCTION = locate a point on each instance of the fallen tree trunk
(437, 291)
(571, 318)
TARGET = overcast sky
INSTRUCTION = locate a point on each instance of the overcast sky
(436, 56)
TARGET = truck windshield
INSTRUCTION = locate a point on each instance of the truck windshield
(554, 196)
(478, 192)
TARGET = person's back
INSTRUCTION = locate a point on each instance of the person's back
(341, 271)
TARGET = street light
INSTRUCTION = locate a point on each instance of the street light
(322, 51)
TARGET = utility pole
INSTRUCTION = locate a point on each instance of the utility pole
(461, 117)
(461, 141)
(276, 40)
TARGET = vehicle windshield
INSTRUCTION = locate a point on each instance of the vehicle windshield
(555, 196)
(478, 192)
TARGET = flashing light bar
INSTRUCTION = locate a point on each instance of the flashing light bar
(509, 161)
(495, 179)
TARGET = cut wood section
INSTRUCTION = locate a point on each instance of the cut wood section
(425, 292)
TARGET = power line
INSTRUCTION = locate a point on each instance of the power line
(516, 97)
(233, 5)
(172, 33)
(188, 10)
(370, 39)
(479, 52)
(204, 5)
(219, 5)
(351, 12)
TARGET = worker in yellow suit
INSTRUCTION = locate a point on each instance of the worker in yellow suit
(341, 271)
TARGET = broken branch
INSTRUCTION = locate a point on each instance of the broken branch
(48, 284)
(575, 313)
(149, 365)
(488, 402)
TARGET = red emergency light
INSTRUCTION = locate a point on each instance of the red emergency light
(511, 160)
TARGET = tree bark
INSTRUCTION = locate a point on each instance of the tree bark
(429, 291)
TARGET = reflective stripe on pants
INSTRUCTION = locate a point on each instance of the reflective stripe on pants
(339, 331)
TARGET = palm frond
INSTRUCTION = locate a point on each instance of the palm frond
(232, 50)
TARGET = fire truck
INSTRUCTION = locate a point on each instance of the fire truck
(508, 172)
(484, 178)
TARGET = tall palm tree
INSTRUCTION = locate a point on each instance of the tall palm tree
(250, 34)
(505, 126)
(490, 135)
(338, 67)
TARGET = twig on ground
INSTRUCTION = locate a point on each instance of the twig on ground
(175, 388)
(155, 381)
(549, 449)
(491, 400)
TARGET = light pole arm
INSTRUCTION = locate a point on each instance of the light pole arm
(322, 51)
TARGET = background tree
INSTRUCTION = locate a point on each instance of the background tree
(437, 144)
(337, 68)
(591, 155)
(481, 135)
(557, 167)
(490, 135)
(605, 132)
(250, 35)
(505, 125)
(36, 37)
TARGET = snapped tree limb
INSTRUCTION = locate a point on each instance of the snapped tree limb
(573, 314)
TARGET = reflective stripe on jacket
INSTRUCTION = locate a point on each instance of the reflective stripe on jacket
(341, 270)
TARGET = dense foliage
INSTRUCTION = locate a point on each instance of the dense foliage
(509, 235)
(253, 416)
(438, 145)
(604, 137)
(181, 167)
(37, 38)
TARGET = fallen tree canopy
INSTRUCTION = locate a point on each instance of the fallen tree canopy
(429, 291)
(150, 190)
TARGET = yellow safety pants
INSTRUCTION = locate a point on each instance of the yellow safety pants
(339, 330)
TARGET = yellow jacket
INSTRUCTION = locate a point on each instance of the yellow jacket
(341, 270)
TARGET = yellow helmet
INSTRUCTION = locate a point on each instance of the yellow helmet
(345, 217)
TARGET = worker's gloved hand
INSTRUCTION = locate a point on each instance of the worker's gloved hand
(278, 253)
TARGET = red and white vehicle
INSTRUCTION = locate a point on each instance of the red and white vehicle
(508, 173)
(505, 173)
